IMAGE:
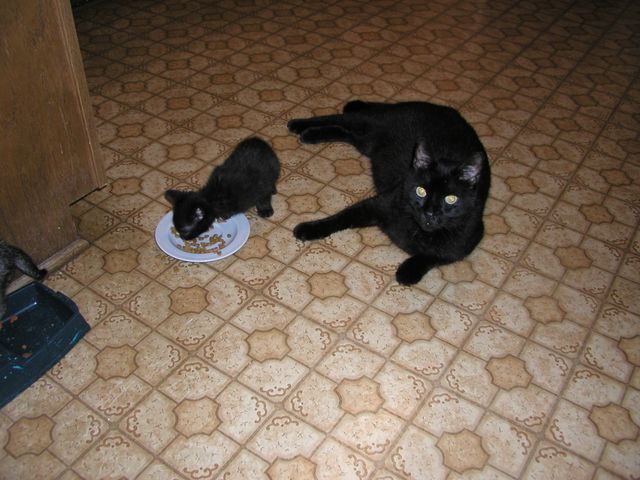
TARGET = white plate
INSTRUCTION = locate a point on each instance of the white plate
(220, 241)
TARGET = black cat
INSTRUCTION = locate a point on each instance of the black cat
(431, 175)
(12, 258)
(247, 178)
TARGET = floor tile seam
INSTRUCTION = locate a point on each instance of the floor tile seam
(131, 158)
(591, 330)
(558, 198)
(583, 234)
(111, 425)
(390, 357)
(352, 69)
(350, 259)
(280, 408)
(170, 19)
(289, 265)
(84, 453)
(538, 437)
(527, 341)
(573, 110)
(461, 48)
(551, 439)
(485, 412)
(280, 405)
(588, 330)
(51, 418)
(601, 304)
(505, 66)
(285, 25)
(253, 42)
(546, 217)
(128, 216)
(317, 152)
(114, 427)
(138, 107)
(524, 48)
(96, 206)
(171, 82)
(122, 306)
(120, 222)
(438, 381)
(405, 422)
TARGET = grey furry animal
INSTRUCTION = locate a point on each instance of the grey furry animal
(12, 258)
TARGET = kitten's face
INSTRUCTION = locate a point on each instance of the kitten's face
(192, 214)
(440, 195)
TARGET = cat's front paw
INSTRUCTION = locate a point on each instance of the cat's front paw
(308, 231)
(410, 272)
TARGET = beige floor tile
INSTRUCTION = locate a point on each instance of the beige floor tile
(307, 360)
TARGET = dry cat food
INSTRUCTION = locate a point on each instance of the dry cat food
(202, 244)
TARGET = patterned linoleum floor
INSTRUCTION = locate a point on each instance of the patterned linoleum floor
(308, 361)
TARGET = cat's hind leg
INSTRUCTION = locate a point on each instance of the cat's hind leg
(331, 133)
(299, 125)
(361, 214)
(368, 108)
(351, 129)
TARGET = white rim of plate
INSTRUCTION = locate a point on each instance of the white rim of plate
(163, 232)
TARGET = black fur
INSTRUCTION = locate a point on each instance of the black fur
(12, 258)
(246, 179)
(410, 145)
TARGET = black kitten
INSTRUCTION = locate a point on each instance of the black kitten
(12, 258)
(431, 175)
(247, 178)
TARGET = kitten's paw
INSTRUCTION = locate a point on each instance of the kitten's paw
(408, 273)
(265, 212)
(308, 231)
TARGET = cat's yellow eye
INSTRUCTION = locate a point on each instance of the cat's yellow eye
(451, 199)
(421, 192)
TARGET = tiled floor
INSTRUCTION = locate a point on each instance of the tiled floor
(301, 361)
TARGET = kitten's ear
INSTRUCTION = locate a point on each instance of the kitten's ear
(421, 158)
(471, 171)
(172, 196)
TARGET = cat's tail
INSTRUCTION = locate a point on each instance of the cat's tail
(26, 265)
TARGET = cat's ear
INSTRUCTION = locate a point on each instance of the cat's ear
(421, 158)
(472, 170)
(172, 196)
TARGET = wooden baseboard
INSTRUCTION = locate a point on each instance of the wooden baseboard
(52, 263)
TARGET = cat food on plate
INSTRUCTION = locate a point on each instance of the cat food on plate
(222, 239)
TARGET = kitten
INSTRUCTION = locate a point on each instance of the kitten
(12, 258)
(247, 178)
(431, 175)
